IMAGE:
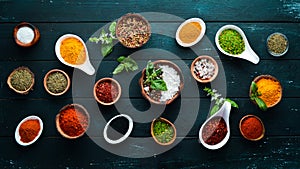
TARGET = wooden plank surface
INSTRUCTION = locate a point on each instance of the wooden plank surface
(278, 149)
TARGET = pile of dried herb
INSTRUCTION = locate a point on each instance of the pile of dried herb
(21, 79)
(57, 82)
(163, 132)
(277, 43)
(231, 42)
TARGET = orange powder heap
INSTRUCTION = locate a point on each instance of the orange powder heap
(270, 90)
(73, 51)
(29, 130)
(190, 32)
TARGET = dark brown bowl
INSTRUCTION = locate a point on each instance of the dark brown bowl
(18, 91)
(240, 126)
(35, 30)
(204, 80)
(168, 122)
(82, 110)
(267, 77)
(162, 62)
(123, 39)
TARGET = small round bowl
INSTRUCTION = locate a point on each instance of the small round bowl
(34, 29)
(82, 110)
(168, 122)
(141, 40)
(54, 71)
(277, 54)
(203, 29)
(17, 134)
(215, 72)
(162, 62)
(10, 76)
(251, 139)
(112, 81)
(267, 77)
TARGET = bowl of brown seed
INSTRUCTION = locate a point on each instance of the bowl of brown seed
(277, 44)
(133, 30)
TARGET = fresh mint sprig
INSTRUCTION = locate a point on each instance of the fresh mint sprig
(219, 101)
(106, 39)
(154, 79)
(126, 63)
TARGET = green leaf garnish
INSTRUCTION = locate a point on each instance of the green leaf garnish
(153, 78)
(126, 63)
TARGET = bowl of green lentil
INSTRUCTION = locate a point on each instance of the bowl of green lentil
(277, 44)
(21, 80)
(56, 82)
(232, 41)
(163, 131)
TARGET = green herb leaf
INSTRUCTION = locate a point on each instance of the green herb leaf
(126, 63)
(158, 84)
(261, 104)
(118, 69)
(121, 58)
(106, 49)
(149, 68)
(214, 109)
(254, 87)
(233, 103)
(94, 39)
(112, 27)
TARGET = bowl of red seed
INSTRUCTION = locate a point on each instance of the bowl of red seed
(204, 69)
(133, 30)
(107, 91)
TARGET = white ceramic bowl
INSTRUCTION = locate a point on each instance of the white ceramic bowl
(203, 29)
(86, 66)
(17, 134)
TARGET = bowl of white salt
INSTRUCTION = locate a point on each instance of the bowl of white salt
(26, 35)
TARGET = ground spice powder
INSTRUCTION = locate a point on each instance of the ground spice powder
(107, 91)
(252, 128)
(190, 32)
(73, 121)
(29, 130)
(270, 90)
(214, 131)
(73, 51)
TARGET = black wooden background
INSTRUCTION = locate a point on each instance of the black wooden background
(280, 148)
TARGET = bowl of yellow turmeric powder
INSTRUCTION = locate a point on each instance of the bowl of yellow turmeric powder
(268, 89)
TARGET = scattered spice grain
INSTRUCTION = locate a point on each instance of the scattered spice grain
(29, 130)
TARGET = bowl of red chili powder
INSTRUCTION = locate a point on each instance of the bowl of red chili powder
(29, 130)
(107, 91)
(252, 128)
(72, 121)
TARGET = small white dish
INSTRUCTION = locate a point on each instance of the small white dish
(203, 29)
(223, 112)
(17, 134)
(247, 54)
(86, 66)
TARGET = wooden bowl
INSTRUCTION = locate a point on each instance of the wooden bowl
(267, 77)
(54, 71)
(120, 23)
(109, 80)
(168, 122)
(82, 110)
(35, 30)
(162, 62)
(215, 72)
(240, 126)
(10, 76)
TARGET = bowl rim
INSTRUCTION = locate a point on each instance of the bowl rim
(256, 79)
(35, 30)
(277, 54)
(133, 15)
(84, 111)
(204, 80)
(173, 65)
(111, 80)
(19, 91)
(166, 121)
(53, 71)
(17, 133)
(203, 30)
(240, 127)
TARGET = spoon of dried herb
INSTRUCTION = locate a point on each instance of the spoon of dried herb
(255, 97)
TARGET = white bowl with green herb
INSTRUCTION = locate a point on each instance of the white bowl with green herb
(232, 41)
(21, 80)
(163, 131)
(56, 82)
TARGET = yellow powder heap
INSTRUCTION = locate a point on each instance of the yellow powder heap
(270, 90)
(73, 51)
(190, 32)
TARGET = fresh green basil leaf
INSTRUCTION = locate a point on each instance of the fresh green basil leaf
(254, 87)
(121, 58)
(214, 109)
(112, 27)
(233, 103)
(106, 49)
(159, 84)
(102, 34)
(94, 39)
(118, 69)
(261, 104)
(149, 68)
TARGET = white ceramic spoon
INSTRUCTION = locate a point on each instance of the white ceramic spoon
(247, 54)
(224, 112)
(86, 66)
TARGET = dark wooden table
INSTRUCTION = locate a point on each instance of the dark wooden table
(280, 148)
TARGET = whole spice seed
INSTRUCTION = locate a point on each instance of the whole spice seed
(252, 128)
(133, 31)
(277, 43)
(107, 91)
(73, 121)
(21, 79)
(204, 69)
(231, 42)
(29, 130)
(214, 131)
(57, 82)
